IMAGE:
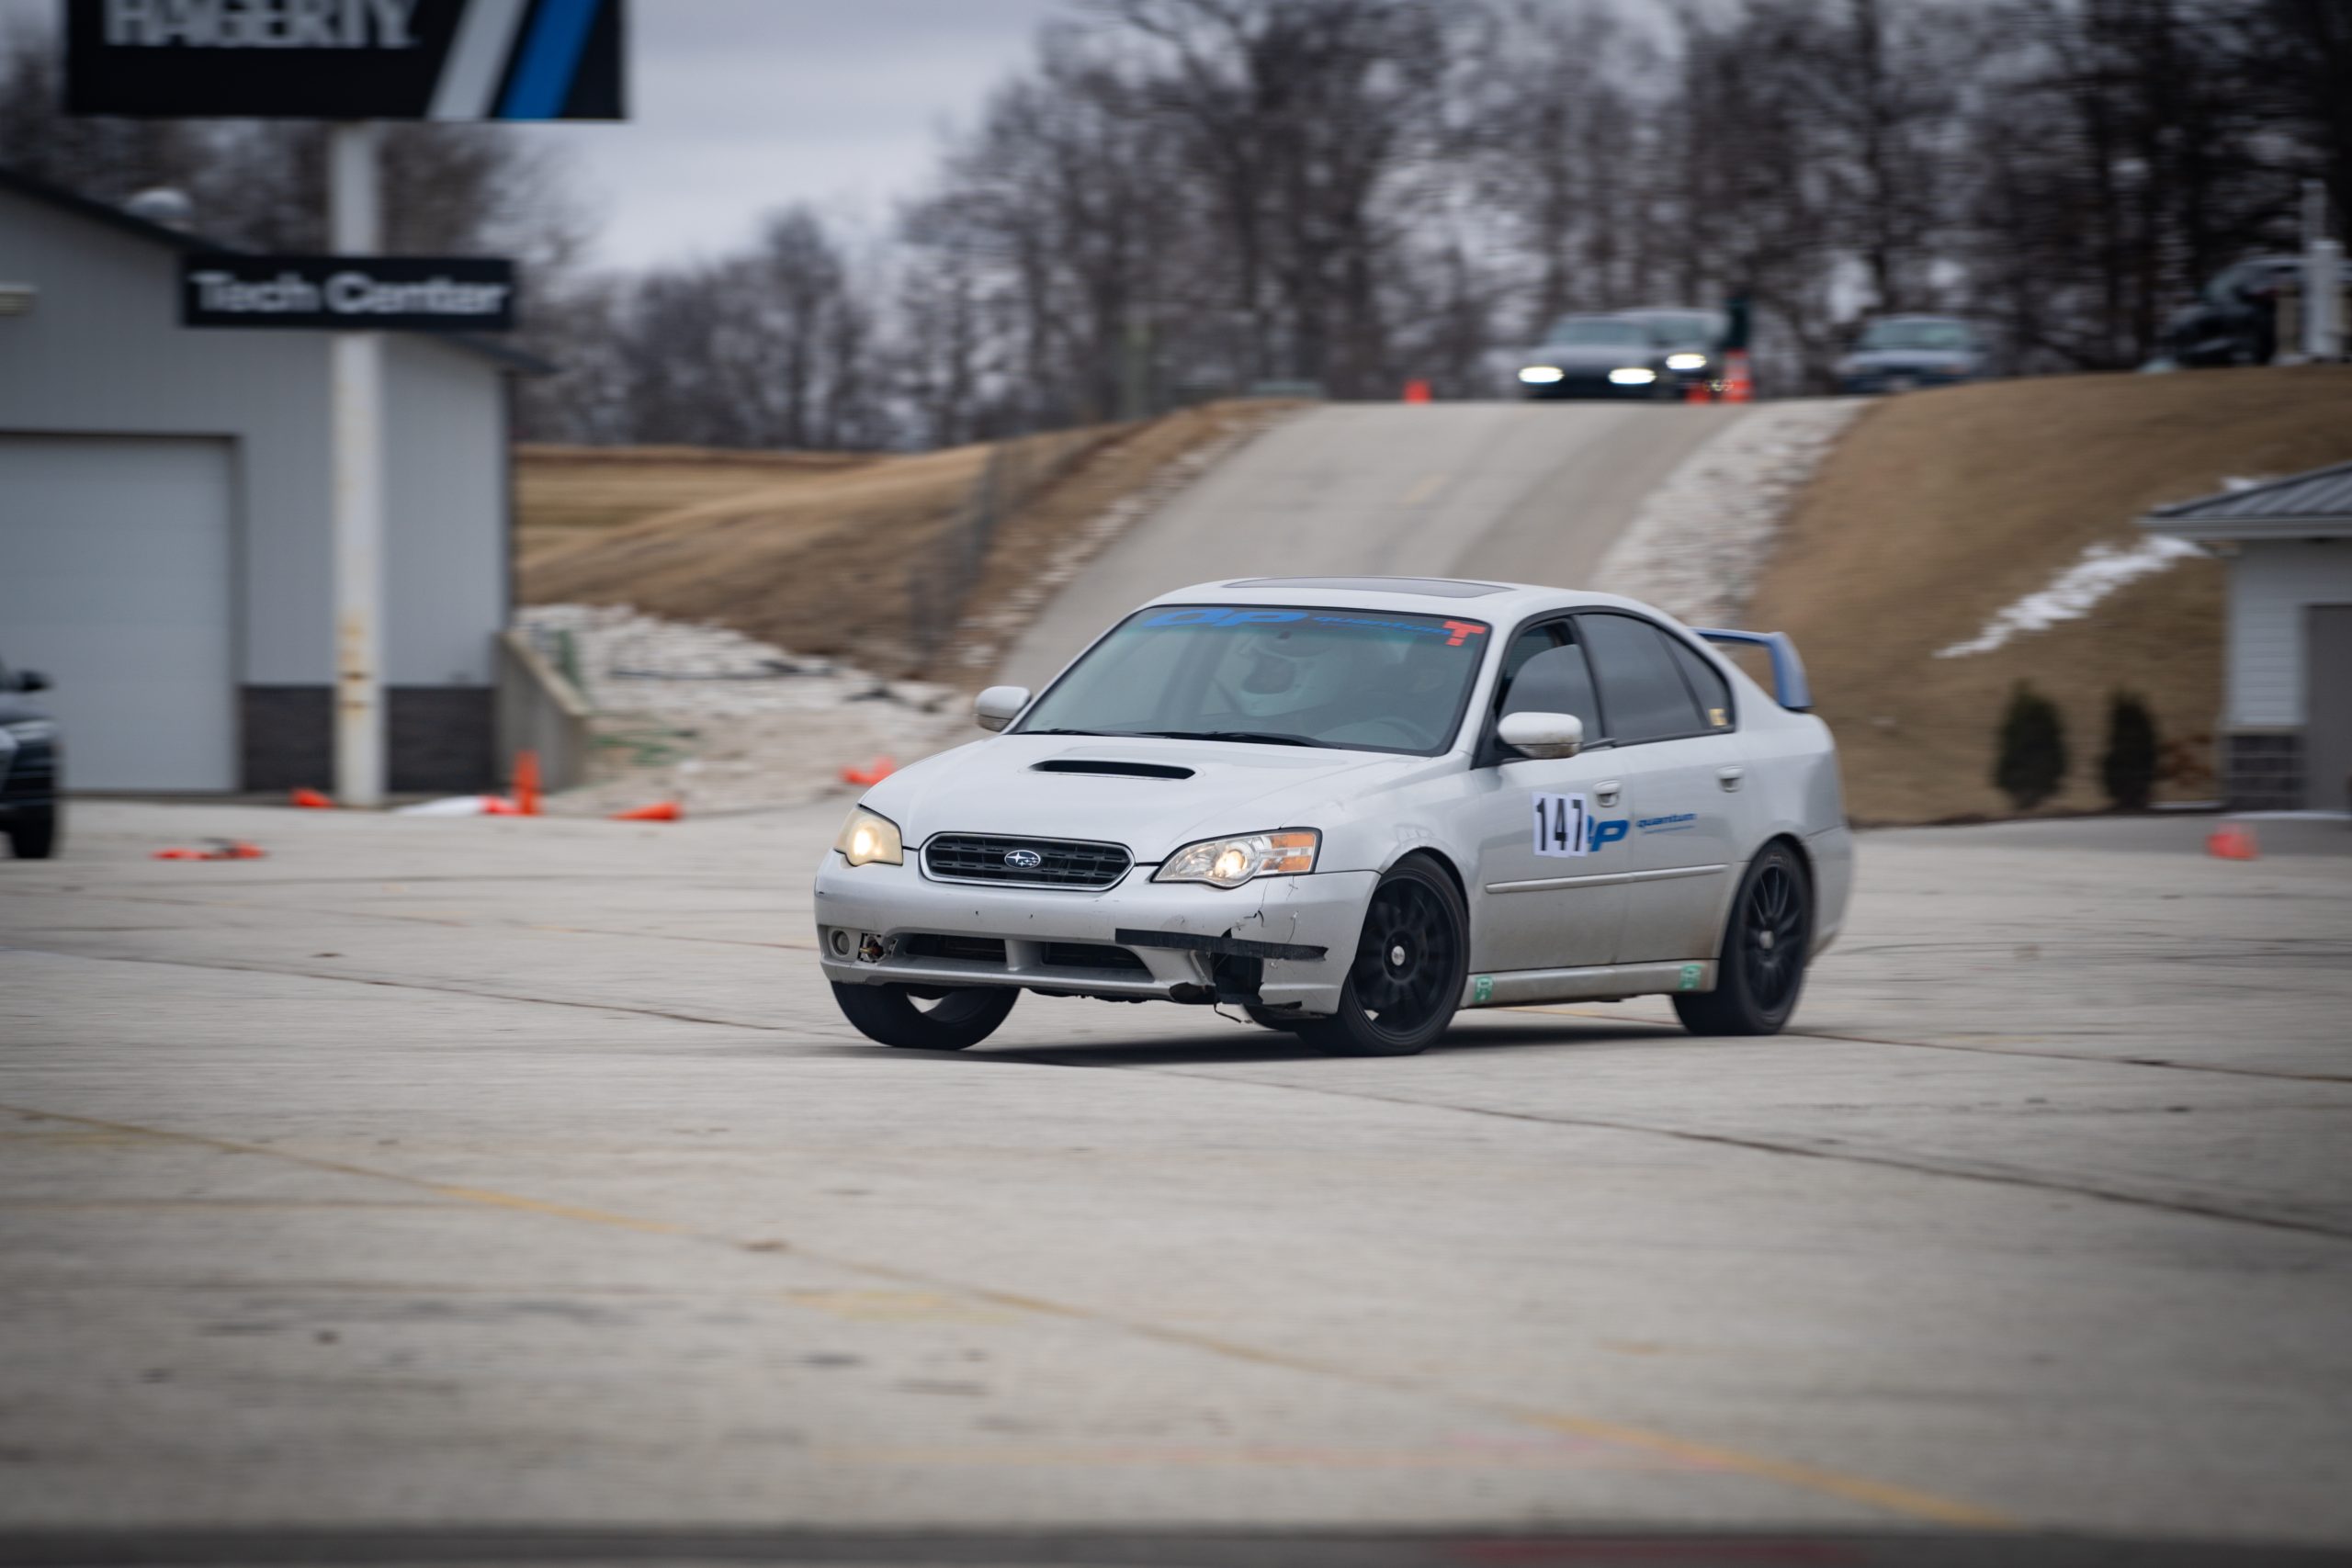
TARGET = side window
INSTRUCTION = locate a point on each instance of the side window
(1713, 691)
(1553, 679)
(1647, 698)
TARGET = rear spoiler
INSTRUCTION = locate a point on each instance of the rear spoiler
(1790, 687)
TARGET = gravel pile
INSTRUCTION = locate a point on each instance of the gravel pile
(1703, 538)
(723, 722)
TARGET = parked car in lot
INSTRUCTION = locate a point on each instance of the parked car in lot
(2234, 318)
(1894, 354)
(1600, 356)
(28, 766)
(1350, 807)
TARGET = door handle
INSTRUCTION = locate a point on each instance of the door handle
(1729, 777)
(1606, 793)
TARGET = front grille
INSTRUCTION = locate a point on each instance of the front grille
(1093, 955)
(979, 857)
(32, 774)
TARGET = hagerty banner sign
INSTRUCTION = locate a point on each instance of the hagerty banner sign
(346, 59)
(347, 293)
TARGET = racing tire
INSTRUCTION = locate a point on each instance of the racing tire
(1759, 973)
(1406, 982)
(33, 834)
(957, 1020)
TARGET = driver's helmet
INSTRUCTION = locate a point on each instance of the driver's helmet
(1289, 669)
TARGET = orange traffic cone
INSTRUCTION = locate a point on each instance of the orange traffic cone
(874, 773)
(1698, 392)
(1417, 390)
(312, 800)
(2232, 840)
(499, 806)
(526, 783)
(1740, 386)
(660, 811)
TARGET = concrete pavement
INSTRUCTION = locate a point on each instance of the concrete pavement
(1525, 492)
(520, 1173)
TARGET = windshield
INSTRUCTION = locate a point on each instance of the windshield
(1673, 332)
(1949, 336)
(1596, 331)
(1352, 680)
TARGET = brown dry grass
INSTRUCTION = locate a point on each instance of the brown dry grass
(817, 562)
(1938, 509)
(560, 491)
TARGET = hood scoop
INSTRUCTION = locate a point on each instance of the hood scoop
(1110, 767)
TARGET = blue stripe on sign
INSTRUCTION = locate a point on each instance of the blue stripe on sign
(550, 54)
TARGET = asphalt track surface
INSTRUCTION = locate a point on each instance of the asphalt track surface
(491, 1190)
(1518, 493)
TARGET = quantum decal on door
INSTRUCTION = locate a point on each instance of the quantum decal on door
(1560, 825)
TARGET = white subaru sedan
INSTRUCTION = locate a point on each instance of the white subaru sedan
(1350, 808)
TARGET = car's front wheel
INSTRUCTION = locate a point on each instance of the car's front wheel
(1761, 971)
(947, 1021)
(1406, 981)
(32, 835)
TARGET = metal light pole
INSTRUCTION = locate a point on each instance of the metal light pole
(356, 410)
(2323, 278)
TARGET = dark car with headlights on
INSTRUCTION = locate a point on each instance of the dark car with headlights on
(1598, 356)
(28, 766)
(1895, 354)
(1694, 341)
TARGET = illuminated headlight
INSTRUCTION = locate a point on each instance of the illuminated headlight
(26, 731)
(1539, 375)
(1229, 862)
(1686, 361)
(1633, 375)
(868, 839)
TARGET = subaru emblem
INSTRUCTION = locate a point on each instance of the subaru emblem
(1024, 859)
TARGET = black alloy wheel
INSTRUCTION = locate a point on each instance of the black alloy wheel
(1406, 982)
(928, 1020)
(1760, 970)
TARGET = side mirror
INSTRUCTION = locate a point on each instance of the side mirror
(1000, 705)
(1541, 734)
(31, 681)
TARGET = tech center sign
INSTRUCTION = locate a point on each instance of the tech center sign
(349, 293)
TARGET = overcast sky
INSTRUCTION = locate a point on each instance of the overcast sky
(740, 106)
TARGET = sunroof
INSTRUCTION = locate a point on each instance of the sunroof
(1432, 587)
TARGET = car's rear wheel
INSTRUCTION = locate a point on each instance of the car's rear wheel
(1760, 974)
(32, 833)
(947, 1021)
(1406, 981)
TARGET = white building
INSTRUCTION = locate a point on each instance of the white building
(2287, 709)
(166, 552)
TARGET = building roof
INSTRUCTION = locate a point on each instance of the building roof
(2315, 504)
(80, 206)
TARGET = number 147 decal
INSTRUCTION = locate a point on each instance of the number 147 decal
(1560, 825)
(1564, 827)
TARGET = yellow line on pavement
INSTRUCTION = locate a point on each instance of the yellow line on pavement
(1424, 488)
(1884, 1496)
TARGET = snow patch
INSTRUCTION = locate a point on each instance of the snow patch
(2073, 593)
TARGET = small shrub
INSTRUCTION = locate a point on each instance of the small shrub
(2129, 769)
(2031, 762)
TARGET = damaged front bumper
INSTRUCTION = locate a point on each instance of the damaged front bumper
(1279, 941)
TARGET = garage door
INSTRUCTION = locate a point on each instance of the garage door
(116, 561)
